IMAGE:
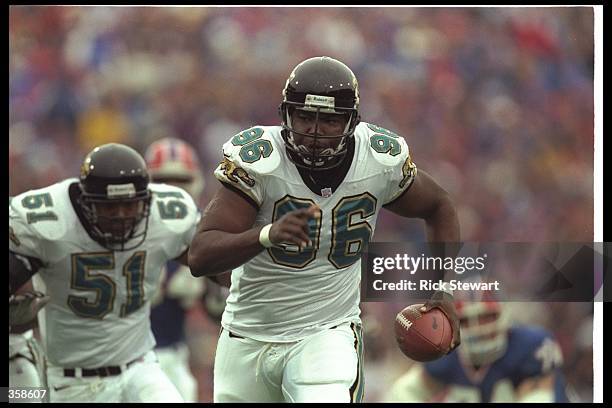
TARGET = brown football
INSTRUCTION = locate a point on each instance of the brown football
(423, 336)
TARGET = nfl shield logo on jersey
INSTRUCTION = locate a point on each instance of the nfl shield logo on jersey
(326, 192)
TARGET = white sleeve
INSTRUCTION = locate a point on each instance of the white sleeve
(234, 172)
(186, 236)
(23, 239)
(401, 175)
(175, 216)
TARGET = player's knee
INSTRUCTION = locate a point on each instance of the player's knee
(336, 392)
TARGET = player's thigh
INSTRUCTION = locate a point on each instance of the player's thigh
(185, 383)
(239, 373)
(26, 362)
(146, 382)
(175, 363)
(23, 372)
(326, 367)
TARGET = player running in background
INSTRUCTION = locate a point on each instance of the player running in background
(496, 362)
(98, 244)
(173, 161)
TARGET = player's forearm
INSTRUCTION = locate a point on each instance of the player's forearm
(213, 252)
(443, 222)
(443, 232)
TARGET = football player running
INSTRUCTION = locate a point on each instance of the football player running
(496, 362)
(173, 161)
(98, 244)
(298, 205)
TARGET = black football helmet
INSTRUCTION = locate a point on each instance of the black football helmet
(320, 85)
(115, 174)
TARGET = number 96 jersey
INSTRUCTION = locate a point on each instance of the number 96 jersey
(100, 299)
(286, 293)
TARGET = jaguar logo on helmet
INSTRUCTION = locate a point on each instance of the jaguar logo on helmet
(85, 167)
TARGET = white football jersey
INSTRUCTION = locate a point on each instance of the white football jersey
(100, 300)
(285, 294)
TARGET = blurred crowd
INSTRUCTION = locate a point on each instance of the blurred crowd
(495, 103)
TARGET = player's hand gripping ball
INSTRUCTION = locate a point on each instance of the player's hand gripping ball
(423, 336)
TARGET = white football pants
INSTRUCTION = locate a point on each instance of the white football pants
(324, 367)
(26, 364)
(175, 363)
(142, 381)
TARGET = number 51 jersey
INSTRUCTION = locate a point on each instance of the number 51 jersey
(286, 293)
(98, 314)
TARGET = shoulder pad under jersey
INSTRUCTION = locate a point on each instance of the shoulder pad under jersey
(256, 150)
(46, 213)
(173, 208)
(387, 147)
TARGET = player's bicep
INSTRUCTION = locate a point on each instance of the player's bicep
(228, 211)
(421, 199)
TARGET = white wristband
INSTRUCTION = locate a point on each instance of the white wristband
(264, 237)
